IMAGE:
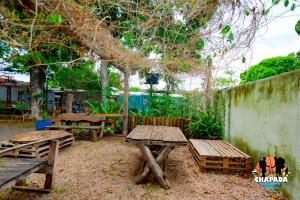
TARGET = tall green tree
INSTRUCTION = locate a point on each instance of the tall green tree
(270, 67)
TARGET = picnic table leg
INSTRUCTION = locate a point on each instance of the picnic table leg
(52, 163)
(145, 170)
(102, 130)
(113, 126)
(94, 135)
(154, 166)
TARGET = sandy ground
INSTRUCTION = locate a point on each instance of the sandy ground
(105, 170)
(9, 127)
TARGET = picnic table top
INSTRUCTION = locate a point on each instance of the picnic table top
(38, 135)
(12, 169)
(157, 135)
(81, 117)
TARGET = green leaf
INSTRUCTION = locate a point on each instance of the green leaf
(244, 59)
(286, 3)
(128, 39)
(293, 7)
(274, 2)
(265, 12)
(225, 30)
(54, 18)
(247, 12)
(200, 44)
(230, 37)
(297, 27)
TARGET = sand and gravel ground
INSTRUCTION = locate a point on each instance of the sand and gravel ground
(10, 127)
(105, 170)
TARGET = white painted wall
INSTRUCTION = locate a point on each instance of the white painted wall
(266, 115)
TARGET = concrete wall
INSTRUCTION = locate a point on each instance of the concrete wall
(263, 118)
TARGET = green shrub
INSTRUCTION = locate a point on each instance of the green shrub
(21, 106)
(44, 114)
(109, 106)
(206, 127)
(171, 107)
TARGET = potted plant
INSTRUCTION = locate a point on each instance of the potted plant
(41, 124)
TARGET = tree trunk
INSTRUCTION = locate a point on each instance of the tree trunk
(125, 100)
(69, 103)
(104, 79)
(37, 85)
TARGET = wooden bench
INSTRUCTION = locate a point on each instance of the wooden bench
(95, 124)
(13, 171)
(219, 156)
(96, 131)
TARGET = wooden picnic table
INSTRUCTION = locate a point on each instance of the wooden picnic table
(90, 122)
(155, 143)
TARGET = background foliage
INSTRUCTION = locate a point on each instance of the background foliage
(270, 67)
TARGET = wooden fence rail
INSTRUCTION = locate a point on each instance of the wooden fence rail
(158, 121)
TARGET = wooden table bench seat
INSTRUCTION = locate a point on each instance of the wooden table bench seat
(96, 131)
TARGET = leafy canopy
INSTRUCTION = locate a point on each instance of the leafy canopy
(270, 67)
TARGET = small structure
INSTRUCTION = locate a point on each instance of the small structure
(155, 143)
(11, 92)
(219, 156)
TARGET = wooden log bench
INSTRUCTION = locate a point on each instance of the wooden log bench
(13, 171)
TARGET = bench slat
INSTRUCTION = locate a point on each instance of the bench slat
(74, 127)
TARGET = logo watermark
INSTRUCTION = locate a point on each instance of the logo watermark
(271, 172)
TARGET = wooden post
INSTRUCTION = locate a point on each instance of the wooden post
(69, 102)
(226, 165)
(125, 100)
(52, 164)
